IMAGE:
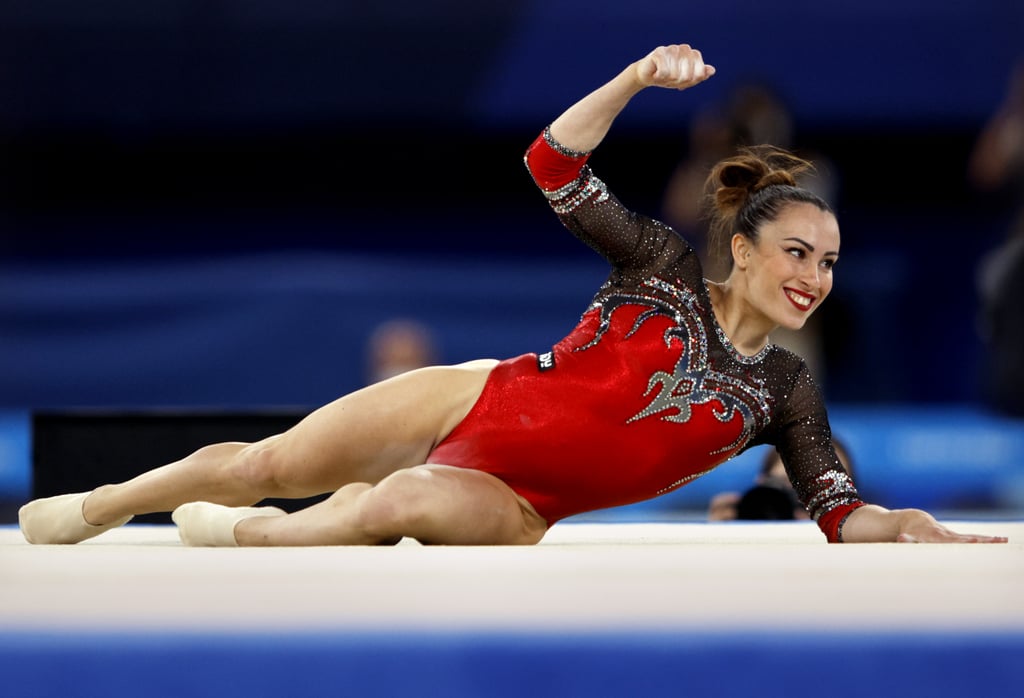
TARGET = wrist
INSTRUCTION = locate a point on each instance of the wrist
(909, 518)
(872, 524)
(640, 74)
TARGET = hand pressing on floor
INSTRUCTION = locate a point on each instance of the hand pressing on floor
(875, 524)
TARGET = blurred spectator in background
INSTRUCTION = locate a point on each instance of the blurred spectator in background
(752, 114)
(997, 165)
(397, 346)
(772, 497)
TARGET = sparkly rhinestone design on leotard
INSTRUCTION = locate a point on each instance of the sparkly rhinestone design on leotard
(692, 381)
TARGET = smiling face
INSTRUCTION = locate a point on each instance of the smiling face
(788, 269)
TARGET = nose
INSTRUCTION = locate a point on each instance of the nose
(811, 277)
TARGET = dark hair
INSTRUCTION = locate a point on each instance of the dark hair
(750, 189)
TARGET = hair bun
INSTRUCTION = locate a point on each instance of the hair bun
(772, 177)
(743, 179)
(754, 168)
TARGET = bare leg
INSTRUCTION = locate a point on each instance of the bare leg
(362, 437)
(435, 504)
(155, 490)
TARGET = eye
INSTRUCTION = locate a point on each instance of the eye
(797, 252)
(828, 263)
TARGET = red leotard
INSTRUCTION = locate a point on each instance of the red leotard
(647, 392)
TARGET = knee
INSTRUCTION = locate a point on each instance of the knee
(259, 465)
(397, 505)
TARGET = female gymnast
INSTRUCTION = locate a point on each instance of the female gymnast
(665, 377)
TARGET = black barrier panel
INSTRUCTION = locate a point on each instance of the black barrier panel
(78, 451)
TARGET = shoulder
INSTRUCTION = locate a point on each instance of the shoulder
(787, 356)
(786, 362)
(791, 382)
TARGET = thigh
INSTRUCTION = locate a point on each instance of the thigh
(369, 434)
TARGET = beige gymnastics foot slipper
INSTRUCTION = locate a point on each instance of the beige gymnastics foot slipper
(204, 524)
(60, 520)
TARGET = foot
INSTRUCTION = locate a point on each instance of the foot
(59, 520)
(213, 525)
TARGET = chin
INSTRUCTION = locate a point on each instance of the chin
(794, 322)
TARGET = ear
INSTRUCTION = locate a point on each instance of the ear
(741, 247)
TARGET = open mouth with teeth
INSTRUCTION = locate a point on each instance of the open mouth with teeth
(802, 301)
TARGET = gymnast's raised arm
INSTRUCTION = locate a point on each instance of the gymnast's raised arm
(584, 125)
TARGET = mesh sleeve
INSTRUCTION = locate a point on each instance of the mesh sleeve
(628, 241)
(804, 442)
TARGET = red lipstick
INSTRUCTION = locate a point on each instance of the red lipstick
(795, 298)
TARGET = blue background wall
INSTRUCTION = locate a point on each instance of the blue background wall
(211, 203)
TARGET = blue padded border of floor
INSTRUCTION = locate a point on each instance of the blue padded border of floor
(156, 664)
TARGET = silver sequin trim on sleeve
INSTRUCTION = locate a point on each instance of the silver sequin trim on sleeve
(839, 529)
(567, 199)
(831, 489)
(561, 149)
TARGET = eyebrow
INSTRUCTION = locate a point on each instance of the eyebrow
(809, 246)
